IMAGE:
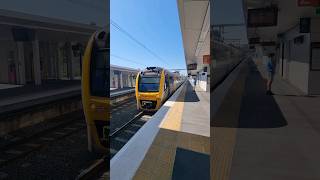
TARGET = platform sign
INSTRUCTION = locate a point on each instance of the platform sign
(206, 59)
(262, 17)
(309, 3)
(192, 66)
(305, 25)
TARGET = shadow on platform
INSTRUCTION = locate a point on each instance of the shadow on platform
(257, 110)
(191, 95)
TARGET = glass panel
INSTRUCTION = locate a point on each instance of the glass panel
(315, 59)
(99, 70)
(149, 84)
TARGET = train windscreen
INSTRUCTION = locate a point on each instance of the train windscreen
(149, 84)
(99, 70)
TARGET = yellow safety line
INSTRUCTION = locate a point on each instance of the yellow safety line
(159, 160)
(223, 138)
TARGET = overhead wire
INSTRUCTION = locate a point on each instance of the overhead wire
(113, 23)
(126, 59)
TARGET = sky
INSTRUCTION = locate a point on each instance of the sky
(154, 23)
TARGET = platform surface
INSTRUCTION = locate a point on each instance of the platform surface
(257, 136)
(182, 141)
(18, 97)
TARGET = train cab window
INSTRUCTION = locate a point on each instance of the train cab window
(99, 73)
(149, 84)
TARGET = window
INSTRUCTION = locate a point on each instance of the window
(149, 84)
(99, 73)
(315, 56)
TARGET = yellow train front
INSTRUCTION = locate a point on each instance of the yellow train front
(95, 91)
(154, 85)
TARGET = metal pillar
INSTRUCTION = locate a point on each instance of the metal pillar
(36, 62)
(21, 73)
(69, 60)
(121, 80)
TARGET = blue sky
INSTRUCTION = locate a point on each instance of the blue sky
(155, 23)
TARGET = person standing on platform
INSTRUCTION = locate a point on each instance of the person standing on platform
(194, 83)
(270, 71)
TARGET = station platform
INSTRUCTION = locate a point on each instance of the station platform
(259, 136)
(121, 91)
(13, 98)
(173, 144)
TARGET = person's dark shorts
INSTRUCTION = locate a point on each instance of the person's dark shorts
(270, 76)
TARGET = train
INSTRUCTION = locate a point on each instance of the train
(154, 86)
(96, 90)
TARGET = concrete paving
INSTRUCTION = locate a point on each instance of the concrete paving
(274, 137)
(21, 97)
(8, 86)
(182, 142)
(31, 89)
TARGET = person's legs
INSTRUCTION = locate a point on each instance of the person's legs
(269, 83)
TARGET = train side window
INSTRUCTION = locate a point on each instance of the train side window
(166, 82)
(99, 73)
(171, 80)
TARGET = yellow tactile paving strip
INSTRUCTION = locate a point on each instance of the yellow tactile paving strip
(159, 160)
(175, 113)
(224, 130)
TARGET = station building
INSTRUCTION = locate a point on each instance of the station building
(290, 31)
(46, 41)
(122, 77)
(195, 28)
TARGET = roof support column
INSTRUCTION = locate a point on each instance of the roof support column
(121, 80)
(69, 60)
(21, 74)
(36, 61)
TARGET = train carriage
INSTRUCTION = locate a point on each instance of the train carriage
(153, 86)
(95, 91)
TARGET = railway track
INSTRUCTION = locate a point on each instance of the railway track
(123, 129)
(20, 147)
(120, 136)
(98, 170)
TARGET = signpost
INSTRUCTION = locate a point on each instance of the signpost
(206, 59)
(192, 66)
(262, 17)
(313, 3)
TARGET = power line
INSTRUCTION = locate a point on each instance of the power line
(135, 40)
(125, 59)
(177, 69)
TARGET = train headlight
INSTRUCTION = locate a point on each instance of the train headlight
(93, 106)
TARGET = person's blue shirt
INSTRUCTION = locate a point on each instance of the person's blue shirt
(269, 65)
